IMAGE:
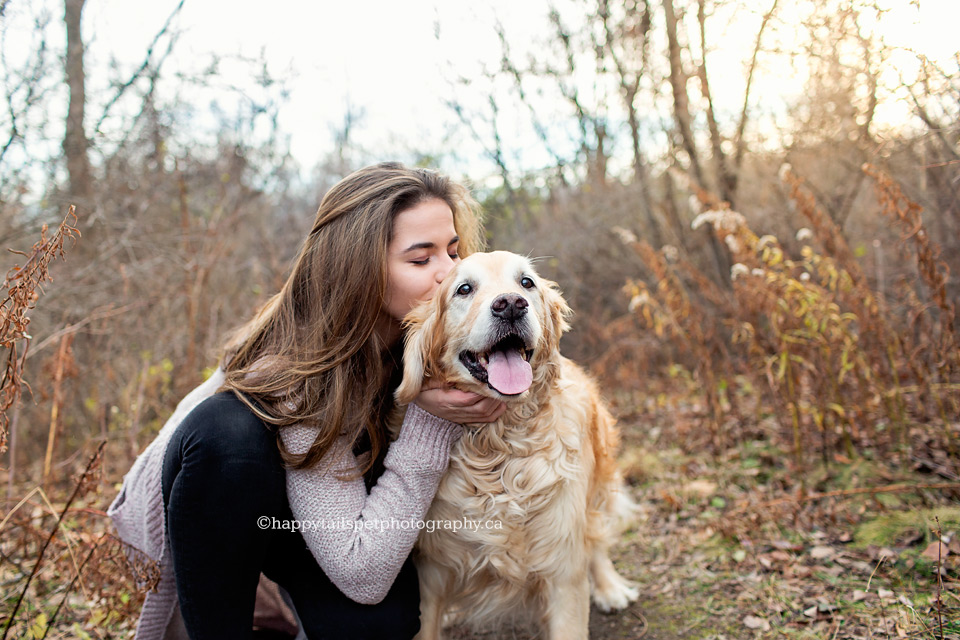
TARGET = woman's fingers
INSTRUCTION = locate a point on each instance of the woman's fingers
(459, 406)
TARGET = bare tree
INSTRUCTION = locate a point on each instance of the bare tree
(180, 216)
(836, 112)
(75, 142)
(740, 140)
(725, 179)
(626, 42)
(681, 100)
(509, 66)
(683, 121)
(591, 119)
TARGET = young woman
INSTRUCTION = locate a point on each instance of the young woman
(280, 462)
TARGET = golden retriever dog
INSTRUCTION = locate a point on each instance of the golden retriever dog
(541, 484)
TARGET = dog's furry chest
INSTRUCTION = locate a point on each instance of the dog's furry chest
(520, 498)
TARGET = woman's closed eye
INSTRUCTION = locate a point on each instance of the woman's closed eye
(426, 260)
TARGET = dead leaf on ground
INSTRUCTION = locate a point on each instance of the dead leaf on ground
(755, 622)
(820, 553)
(699, 488)
(786, 545)
(936, 551)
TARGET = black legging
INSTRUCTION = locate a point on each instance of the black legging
(221, 472)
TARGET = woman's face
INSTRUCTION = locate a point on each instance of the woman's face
(423, 250)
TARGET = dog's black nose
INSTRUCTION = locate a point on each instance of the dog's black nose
(510, 307)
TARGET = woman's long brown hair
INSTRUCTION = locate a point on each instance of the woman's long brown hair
(311, 354)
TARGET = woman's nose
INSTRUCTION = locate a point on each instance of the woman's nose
(445, 266)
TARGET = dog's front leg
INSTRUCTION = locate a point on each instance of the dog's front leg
(431, 614)
(567, 615)
(434, 584)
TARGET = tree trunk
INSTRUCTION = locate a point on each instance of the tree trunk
(744, 112)
(629, 86)
(681, 111)
(75, 143)
(725, 180)
(594, 155)
(597, 157)
(672, 211)
(681, 103)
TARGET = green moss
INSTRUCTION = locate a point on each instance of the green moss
(640, 465)
(889, 500)
(889, 529)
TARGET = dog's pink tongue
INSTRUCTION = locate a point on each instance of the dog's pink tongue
(508, 372)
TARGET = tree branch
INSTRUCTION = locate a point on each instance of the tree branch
(143, 66)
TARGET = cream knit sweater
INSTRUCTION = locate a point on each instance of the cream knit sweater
(359, 540)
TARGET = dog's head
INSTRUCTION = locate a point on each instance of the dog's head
(493, 327)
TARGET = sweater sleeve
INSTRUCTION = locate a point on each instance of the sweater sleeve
(359, 540)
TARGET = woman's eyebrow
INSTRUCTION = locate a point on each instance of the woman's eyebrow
(428, 245)
(419, 245)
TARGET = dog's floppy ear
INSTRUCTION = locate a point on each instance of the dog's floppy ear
(422, 349)
(557, 313)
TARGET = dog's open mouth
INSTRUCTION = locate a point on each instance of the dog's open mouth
(505, 367)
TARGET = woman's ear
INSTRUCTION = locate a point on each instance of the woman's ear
(557, 312)
(419, 345)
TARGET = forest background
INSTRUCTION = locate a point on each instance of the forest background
(752, 207)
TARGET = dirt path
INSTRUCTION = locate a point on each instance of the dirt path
(666, 609)
(856, 568)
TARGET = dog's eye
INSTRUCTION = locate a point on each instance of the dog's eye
(526, 283)
(464, 289)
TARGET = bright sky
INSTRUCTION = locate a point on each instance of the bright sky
(383, 56)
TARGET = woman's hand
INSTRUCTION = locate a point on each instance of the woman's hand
(458, 406)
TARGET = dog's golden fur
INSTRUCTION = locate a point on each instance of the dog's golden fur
(545, 470)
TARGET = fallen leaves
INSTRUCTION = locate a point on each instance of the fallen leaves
(822, 552)
(761, 555)
(756, 622)
(936, 551)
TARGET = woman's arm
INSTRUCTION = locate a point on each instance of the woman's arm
(361, 540)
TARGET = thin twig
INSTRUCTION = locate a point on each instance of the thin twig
(842, 493)
(143, 67)
(97, 314)
(939, 575)
(70, 586)
(95, 459)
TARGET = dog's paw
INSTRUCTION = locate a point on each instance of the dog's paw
(617, 594)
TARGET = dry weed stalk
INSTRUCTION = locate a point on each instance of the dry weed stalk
(829, 234)
(672, 312)
(796, 331)
(939, 575)
(71, 554)
(874, 330)
(934, 272)
(935, 342)
(814, 331)
(62, 367)
(88, 479)
(22, 285)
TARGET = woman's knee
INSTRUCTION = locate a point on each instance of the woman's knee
(222, 426)
(223, 441)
